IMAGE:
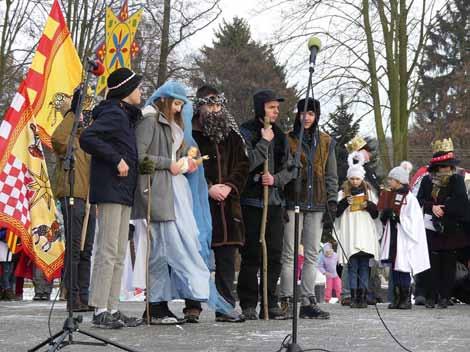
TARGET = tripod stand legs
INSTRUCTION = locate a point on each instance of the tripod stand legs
(293, 347)
(65, 337)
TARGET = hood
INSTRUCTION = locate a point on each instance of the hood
(117, 106)
(312, 105)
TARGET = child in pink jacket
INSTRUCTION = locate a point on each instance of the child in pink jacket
(327, 266)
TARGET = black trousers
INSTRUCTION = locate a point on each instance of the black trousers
(439, 280)
(248, 288)
(81, 260)
(225, 271)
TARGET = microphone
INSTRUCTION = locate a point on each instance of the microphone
(314, 45)
(95, 67)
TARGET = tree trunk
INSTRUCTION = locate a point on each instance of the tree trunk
(374, 87)
(165, 44)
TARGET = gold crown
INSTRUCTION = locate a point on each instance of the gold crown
(355, 144)
(444, 145)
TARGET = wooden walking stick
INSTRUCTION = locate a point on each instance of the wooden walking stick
(85, 223)
(147, 259)
(262, 233)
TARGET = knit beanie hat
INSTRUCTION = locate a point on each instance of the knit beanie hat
(356, 170)
(121, 83)
(400, 174)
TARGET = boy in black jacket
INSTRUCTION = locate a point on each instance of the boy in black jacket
(111, 142)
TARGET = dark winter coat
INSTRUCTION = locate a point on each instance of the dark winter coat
(456, 213)
(228, 164)
(279, 161)
(110, 138)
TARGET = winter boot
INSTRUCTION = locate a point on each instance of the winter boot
(362, 298)
(353, 303)
(396, 298)
(287, 307)
(405, 298)
(312, 311)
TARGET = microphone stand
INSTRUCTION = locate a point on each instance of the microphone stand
(293, 346)
(71, 324)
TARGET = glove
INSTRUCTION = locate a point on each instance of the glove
(146, 167)
(329, 215)
(386, 215)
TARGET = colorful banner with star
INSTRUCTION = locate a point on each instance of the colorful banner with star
(26, 202)
(119, 44)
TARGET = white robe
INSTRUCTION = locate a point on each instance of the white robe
(5, 254)
(357, 232)
(412, 247)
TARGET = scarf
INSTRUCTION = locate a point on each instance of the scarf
(440, 180)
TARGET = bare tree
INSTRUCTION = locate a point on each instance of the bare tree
(177, 21)
(16, 28)
(86, 21)
(371, 53)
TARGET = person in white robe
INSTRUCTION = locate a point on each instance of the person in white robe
(357, 232)
(403, 243)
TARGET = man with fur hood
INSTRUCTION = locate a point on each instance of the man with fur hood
(319, 193)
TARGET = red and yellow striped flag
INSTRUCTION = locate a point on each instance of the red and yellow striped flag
(27, 206)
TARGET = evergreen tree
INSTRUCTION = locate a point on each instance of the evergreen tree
(342, 129)
(445, 73)
(238, 66)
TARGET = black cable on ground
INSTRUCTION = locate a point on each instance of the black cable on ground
(59, 289)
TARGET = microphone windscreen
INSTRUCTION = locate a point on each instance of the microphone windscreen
(314, 42)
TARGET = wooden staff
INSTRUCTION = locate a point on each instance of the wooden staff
(147, 259)
(262, 233)
(85, 223)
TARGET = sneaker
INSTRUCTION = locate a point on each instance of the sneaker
(346, 301)
(191, 315)
(274, 313)
(37, 297)
(78, 307)
(250, 314)
(45, 297)
(129, 322)
(420, 301)
(106, 321)
(312, 311)
(443, 303)
(160, 314)
(233, 317)
(8, 295)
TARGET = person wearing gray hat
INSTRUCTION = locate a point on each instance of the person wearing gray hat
(403, 244)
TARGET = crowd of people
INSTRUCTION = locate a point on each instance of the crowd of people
(197, 178)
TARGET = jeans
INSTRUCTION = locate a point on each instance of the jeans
(358, 271)
(345, 291)
(6, 276)
(310, 229)
(41, 285)
(401, 279)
